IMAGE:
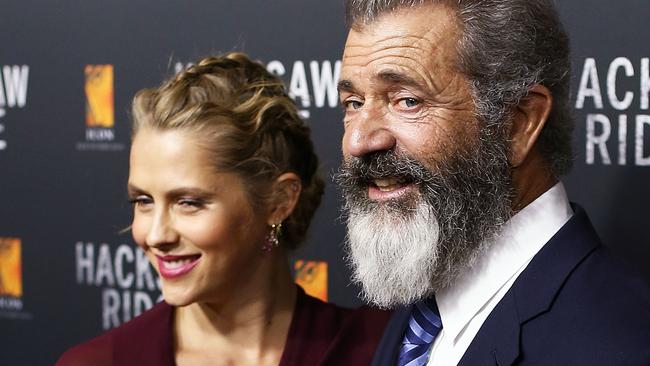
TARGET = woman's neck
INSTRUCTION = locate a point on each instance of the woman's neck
(249, 327)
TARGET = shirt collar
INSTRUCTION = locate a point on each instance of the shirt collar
(510, 251)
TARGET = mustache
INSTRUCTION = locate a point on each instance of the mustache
(361, 171)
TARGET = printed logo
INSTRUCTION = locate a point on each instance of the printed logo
(312, 277)
(128, 283)
(312, 84)
(100, 109)
(616, 138)
(11, 279)
(99, 96)
(13, 92)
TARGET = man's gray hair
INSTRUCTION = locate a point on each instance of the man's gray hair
(506, 47)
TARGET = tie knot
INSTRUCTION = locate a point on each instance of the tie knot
(423, 326)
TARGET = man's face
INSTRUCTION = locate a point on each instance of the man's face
(424, 184)
(402, 91)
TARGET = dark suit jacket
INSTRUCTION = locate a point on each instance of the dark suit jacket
(572, 305)
(319, 334)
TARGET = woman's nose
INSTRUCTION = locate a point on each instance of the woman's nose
(162, 231)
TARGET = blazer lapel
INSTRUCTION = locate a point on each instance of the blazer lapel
(533, 293)
(497, 342)
(389, 345)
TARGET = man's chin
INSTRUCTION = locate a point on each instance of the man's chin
(393, 256)
(395, 298)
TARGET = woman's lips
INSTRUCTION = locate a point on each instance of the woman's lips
(174, 266)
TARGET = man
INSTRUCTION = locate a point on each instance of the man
(457, 127)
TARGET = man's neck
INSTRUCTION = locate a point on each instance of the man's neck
(531, 179)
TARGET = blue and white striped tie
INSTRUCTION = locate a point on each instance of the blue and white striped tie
(424, 324)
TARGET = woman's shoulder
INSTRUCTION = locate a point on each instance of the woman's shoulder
(331, 314)
(326, 334)
(148, 335)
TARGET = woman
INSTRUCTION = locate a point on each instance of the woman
(223, 178)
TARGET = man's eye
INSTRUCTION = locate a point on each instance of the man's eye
(409, 102)
(352, 104)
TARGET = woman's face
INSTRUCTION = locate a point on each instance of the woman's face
(196, 225)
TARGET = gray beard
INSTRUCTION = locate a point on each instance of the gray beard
(403, 250)
(394, 262)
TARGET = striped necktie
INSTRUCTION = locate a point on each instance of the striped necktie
(424, 324)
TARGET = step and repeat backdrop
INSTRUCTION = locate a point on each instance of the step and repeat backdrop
(68, 71)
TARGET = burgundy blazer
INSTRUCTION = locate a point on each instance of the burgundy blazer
(319, 334)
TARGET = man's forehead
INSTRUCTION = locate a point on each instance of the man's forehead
(406, 25)
(401, 47)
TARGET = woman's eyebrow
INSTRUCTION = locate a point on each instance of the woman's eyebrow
(190, 191)
(133, 190)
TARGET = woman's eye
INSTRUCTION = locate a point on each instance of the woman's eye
(191, 204)
(141, 201)
(188, 203)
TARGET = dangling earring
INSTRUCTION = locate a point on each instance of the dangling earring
(271, 240)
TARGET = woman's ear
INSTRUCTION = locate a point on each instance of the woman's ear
(285, 195)
(529, 120)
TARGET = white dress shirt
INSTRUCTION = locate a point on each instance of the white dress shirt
(466, 304)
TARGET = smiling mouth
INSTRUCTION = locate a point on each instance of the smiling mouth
(389, 188)
(389, 184)
(174, 266)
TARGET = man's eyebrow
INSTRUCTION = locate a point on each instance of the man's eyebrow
(393, 77)
(386, 76)
(345, 86)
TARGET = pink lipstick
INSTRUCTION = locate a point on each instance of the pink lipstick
(174, 266)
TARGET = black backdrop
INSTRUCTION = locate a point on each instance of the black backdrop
(62, 182)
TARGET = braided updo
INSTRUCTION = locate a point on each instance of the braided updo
(243, 116)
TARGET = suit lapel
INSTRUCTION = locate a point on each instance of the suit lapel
(386, 353)
(497, 343)
(533, 292)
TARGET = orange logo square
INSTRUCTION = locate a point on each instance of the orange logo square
(312, 277)
(99, 96)
(11, 279)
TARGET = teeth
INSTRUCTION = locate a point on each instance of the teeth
(388, 184)
(176, 264)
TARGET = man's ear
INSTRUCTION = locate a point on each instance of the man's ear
(284, 197)
(529, 120)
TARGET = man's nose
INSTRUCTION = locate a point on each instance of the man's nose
(162, 231)
(367, 133)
